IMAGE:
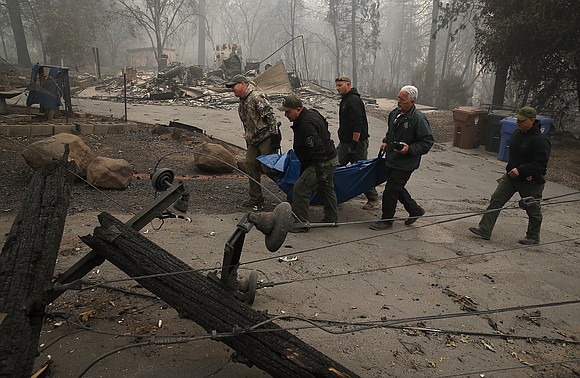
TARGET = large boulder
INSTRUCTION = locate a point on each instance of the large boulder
(42, 153)
(109, 173)
(214, 158)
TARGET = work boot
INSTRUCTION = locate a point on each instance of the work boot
(479, 232)
(528, 241)
(370, 205)
(381, 226)
(413, 217)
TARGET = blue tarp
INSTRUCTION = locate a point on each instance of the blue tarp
(349, 181)
(52, 85)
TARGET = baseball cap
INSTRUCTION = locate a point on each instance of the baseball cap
(237, 79)
(290, 102)
(343, 78)
(525, 113)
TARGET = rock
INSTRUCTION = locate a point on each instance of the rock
(214, 158)
(242, 165)
(41, 153)
(109, 173)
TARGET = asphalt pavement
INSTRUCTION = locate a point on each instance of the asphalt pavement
(451, 185)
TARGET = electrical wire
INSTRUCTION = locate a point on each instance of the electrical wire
(316, 323)
(519, 367)
(310, 321)
(272, 284)
(72, 172)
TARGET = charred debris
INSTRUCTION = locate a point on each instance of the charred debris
(193, 86)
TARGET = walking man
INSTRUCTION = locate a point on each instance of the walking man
(408, 138)
(528, 159)
(318, 160)
(261, 133)
(353, 132)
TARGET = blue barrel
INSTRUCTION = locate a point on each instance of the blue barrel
(546, 122)
(508, 126)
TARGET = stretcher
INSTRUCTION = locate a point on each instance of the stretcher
(349, 181)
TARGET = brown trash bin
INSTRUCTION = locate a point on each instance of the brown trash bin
(470, 126)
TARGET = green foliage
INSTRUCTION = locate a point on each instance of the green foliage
(453, 92)
(69, 31)
(538, 40)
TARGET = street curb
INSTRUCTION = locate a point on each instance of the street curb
(71, 128)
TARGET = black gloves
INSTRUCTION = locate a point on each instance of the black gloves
(320, 174)
(276, 141)
(277, 138)
(353, 147)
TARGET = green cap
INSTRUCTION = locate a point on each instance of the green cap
(290, 102)
(525, 113)
(237, 79)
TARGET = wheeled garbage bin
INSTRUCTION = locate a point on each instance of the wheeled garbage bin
(509, 125)
(494, 129)
(470, 127)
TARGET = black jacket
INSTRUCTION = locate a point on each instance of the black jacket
(413, 129)
(352, 117)
(529, 152)
(312, 142)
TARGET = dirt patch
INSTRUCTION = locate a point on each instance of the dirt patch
(100, 330)
(564, 163)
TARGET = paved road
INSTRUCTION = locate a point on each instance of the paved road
(223, 124)
(468, 173)
(450, 180)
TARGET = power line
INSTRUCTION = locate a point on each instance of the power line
(519, 367)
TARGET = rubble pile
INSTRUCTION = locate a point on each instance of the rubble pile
(195, 85)
(192, 86)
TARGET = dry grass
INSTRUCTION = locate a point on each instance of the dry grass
(563, 167)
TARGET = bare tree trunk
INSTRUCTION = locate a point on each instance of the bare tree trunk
(501, 74)
(18, 30)
(431, 55)
(3, 44)
(333, 10)
(27, 266)
(446, 53)
(201, 37)
(204, 301)
(354, 57)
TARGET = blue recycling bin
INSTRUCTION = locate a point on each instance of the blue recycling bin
(494, 129)
(508, 126)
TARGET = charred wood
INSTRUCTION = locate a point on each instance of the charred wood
(204, 301)
(27, 265)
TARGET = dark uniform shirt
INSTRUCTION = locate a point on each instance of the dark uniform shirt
(352, 117)
(529, 152)
(413, 129)
(312, 142)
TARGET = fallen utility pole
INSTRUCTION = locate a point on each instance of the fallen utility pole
(194, 296)
(27, 265)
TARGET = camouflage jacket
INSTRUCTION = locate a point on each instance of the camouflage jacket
(257, 116)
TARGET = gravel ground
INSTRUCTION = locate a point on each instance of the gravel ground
(146, 152)
(216, 196)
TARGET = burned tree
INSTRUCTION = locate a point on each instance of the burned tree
(27, 265)
(217, 310)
